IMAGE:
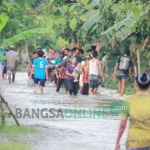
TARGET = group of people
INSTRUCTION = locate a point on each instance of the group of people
(71, 69)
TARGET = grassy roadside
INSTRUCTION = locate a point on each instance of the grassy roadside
(113, 85)
(10, 130)
(11, 145)
(13, 129)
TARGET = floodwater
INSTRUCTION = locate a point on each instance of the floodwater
(77, 128)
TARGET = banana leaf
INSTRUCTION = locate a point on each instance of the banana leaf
(3, 20)
(23, 35)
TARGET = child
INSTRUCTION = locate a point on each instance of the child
(40, 65)
(77, 71)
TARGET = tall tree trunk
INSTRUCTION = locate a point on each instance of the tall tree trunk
(138, 61)
(72, 38)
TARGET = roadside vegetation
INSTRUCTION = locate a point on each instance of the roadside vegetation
(12, 144)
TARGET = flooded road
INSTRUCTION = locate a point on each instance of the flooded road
(76, 128)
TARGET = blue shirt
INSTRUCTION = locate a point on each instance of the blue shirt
(78, 59)
(40, 64)
(3, 52)
(58, 61)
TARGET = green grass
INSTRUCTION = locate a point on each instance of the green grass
(14, 129)
(14, 146)
(113, 84)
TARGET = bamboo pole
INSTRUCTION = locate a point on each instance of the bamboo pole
(2, 98)
(2, 104)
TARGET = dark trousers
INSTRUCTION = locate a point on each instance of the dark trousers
(73, 87)
(60, 82)
(85, 89)
(66, 84)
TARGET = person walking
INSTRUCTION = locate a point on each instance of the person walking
(40, 65)
(11, 63)
(72, 86)
(95, 69)
(139, 116)
(121, 70)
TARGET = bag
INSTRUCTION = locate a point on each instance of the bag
(119, 73)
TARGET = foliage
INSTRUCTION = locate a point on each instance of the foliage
(14, 146)
(3, 20)
(23, 35)
(13, 129)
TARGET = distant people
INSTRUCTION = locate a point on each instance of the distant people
(93, 48)
(11, 63)
(89, 53)
(59, 59)
(67, 60)
(95, 69)
(121, 70)
(81, 54)
(77, 54)
(40, 69)
(4, 68)
(66, 50)
(52, 55)
(137, 110)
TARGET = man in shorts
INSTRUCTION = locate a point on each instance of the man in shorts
(40, 66)
(121, 70)
(11, 63)
(95, 69)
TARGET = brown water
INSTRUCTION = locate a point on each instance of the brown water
(81, 133)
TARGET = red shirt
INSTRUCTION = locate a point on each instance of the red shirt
(85, 76)
(62, 72)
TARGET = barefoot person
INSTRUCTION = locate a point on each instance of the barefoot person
(139, 114)
(95, 69)
(11, 63)
(121, 70)
(40, 65)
